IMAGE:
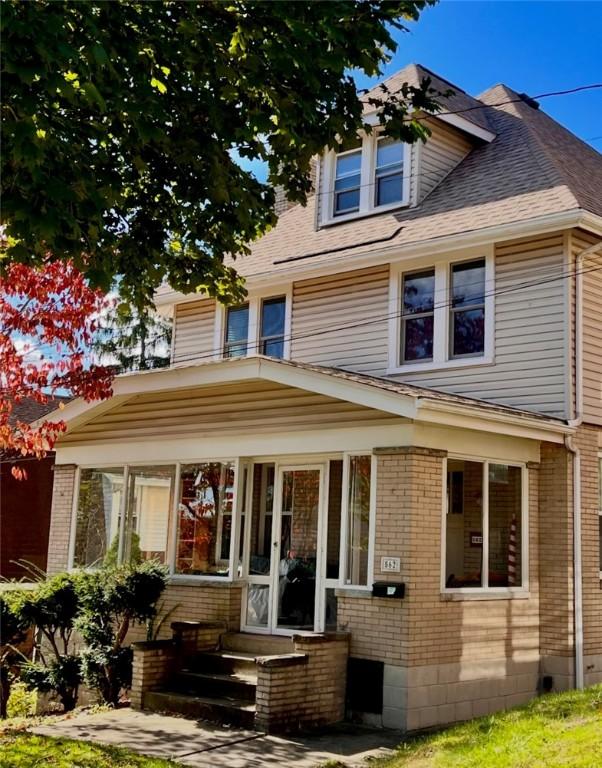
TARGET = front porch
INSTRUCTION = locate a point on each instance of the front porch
(292, 504)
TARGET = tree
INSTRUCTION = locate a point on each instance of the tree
(133, 339)
(48, 319)
(123, 125)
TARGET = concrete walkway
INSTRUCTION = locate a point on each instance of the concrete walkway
(202, 744)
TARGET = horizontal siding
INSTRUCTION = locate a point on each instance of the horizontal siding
(336, 301)
(592, 329)
(237, 408)
(441, 153)
(193, 330)
(530, 334)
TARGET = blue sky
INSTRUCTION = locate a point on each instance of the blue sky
(534, 47)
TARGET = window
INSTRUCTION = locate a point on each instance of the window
(237, 331)
(389, 172)
(467, 326)
(445, 313)
(204, 519)
(418, 316)
(271, 339)
(347, 182)
(484, 525)
(98, 517)
(102, 536)
(358, 523)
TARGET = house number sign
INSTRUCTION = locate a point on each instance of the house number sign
(390, 564)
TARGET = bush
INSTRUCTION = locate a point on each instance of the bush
(22, 701)
(111, 601)
(12, 634)
(51, 608)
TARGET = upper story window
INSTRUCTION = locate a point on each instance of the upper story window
(442, 314)
(370, 178)
(418, 315)
(273, 318)
(389, 172)
(347, 182)
(237, 331)
(467, 300)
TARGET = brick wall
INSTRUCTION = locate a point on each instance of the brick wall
(154, 664)
(60, 520)
(305, 690)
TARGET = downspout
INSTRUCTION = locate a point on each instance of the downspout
(576, 421)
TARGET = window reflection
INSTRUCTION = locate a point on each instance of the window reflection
(468, 308)
(418, 315)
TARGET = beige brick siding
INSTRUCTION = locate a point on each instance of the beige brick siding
(60, 520)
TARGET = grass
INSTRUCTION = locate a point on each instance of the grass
(554, 731)
(25, 750)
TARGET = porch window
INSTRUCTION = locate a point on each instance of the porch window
(204, 519)
(98, 516)
(358, 525)
(484, 525)
(237, 331)
(149, 500)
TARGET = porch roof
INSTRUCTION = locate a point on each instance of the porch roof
(385, 396)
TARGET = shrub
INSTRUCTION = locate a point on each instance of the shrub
(112, 600)
(22, 701)
(51, 608)
(12, 634)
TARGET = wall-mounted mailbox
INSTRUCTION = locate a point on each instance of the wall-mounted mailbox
(392, 589)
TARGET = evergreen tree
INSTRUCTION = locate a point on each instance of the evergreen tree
(133, 339)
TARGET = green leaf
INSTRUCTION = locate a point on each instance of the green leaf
(93, 96)
(161, 87)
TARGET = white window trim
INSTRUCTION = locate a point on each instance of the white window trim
(367, 205)
(255, 300)
(486, 591)
(442, 358)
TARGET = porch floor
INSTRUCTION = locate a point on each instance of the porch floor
(202, 745)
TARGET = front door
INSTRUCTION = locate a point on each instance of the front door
(284, 569)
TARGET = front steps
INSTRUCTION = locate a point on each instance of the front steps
(221, 685)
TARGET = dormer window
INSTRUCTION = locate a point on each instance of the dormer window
(389, 172)
(371, 178)
(347, 183)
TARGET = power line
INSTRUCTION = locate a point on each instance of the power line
(320, 331)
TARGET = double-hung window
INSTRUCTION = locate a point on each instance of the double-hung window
(467, 299)
(418, 315)
(271, 337)
(237, 331)
(389, 172)
(347, 182)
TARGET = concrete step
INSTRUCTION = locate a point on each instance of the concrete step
(233, 711)
(259, 645)
(223, 663)
(215, 685)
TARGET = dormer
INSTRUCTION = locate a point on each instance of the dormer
(377, 174)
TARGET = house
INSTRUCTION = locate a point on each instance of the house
(24, 548)
(376, 484)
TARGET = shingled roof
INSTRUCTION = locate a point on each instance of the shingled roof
(533, 167)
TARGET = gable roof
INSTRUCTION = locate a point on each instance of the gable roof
(29, 410)
(533, 168)
(413, 74)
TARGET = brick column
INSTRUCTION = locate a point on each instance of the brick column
(154, 664)
(60, 518)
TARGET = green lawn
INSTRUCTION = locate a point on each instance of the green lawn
(24, 750)
(554, 731)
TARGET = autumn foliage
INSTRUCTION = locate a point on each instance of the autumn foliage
(48, 318)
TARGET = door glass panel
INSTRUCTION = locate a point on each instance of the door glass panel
(300, 505)
(262, 501)
(258, 600)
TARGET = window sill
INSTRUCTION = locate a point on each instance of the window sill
(214, 581)
(473, 362)
(485, 594)
(350, 591)
(334, 220)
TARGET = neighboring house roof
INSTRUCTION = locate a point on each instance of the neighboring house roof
(399, 398)
(29, 410)
(533, 168)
